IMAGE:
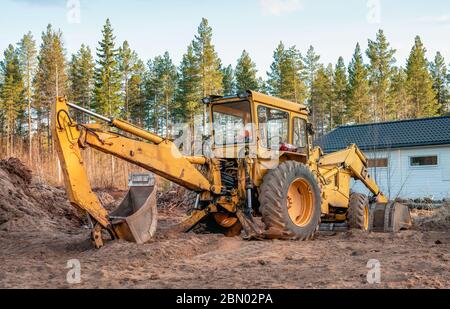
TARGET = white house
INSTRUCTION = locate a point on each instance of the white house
(409, 159)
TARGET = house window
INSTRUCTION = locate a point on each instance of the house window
(378, 163)
(424, 161)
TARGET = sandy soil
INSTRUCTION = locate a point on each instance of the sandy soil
(39, 234)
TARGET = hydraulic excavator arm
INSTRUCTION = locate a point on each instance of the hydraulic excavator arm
(335, 172)
(353, 162)
(151, 152)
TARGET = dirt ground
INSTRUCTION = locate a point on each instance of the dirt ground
(40, 232)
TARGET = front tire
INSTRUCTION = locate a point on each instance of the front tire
(290, 202)
(358, 212)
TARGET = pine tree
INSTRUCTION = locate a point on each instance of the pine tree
(438, 69)
(12, 95)
(312, 65)
(358, 89)
(209, 64)
(127, 60)
(398, 95)
(50, 80)
(322, 100)
(188, 93)
(228, 80)
(263, 86)
(246, 74)
(81, 79)
(382, 59)
(28, 61)
(136, 100)
(419, 84)
(163, 83)
(285, 75)
(340, 85)
(107, 76)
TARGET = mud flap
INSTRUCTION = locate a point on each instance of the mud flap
(389, 218)
(135, 220)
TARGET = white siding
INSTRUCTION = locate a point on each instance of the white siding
(404, 181)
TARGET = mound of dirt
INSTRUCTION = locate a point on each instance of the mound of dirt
(438, 220)
(27, 205)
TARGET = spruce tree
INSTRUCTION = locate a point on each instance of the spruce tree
(419, 83)
(246, 74)
(81, 79)
(358, 89)
(340, 85)
(228, 80)
(382, 59)
(438, 69)
(28, 61)
(107, 76)
(11, 95)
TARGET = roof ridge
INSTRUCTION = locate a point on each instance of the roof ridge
(391, 122)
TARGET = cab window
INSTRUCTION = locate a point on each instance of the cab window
(273, 127)
(232, 123)
(300, 139)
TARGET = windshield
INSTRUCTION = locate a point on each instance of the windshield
(232, 123)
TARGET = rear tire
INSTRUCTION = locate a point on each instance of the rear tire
(290, 202)
(358, 212)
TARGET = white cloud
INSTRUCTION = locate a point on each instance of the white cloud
(442, 19)
(280, 7)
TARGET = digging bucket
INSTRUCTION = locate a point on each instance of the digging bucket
(136, 218)
(389, 218)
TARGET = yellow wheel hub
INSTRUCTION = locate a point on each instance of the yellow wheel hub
(300, 202)
(366, 218)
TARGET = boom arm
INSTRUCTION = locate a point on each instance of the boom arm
(353, 162)
(162, 157)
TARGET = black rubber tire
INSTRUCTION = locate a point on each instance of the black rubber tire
(273, 201)
(190, 197)
(356, 210)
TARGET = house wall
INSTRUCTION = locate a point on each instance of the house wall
(400, 179)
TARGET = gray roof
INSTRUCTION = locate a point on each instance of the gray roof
(387, 135)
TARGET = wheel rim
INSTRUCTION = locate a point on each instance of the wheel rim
(366, 219)
(300, 202)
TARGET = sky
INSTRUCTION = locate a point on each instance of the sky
(152, 27)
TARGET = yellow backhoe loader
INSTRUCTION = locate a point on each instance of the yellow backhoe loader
(262, 164)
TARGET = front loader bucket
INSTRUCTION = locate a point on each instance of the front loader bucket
(136, 218)
(389, 218)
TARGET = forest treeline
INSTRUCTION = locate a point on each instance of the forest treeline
(113, 80)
